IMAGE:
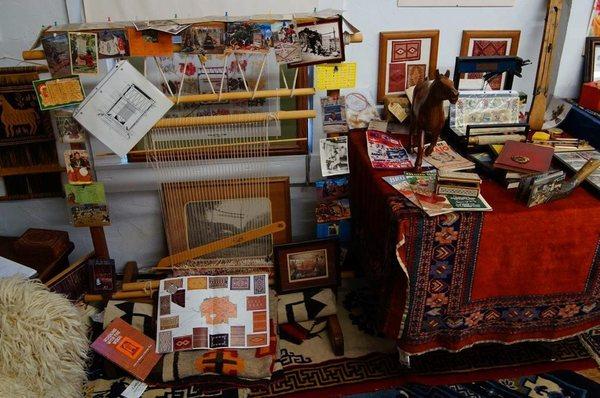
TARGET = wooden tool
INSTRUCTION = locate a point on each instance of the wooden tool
(221, 244)
(542, 80)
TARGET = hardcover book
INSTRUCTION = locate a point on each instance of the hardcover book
(127, 348)
(523, 157)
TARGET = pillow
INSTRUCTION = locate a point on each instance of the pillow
(306, 305)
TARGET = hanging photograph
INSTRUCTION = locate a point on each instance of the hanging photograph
(334, 156)
(204, 39)
(321, 42)
(487, 43)
(83, 47)
(306, 265)
(56, 51)
(90, 215)
(68, 129)
(249, 36)
(112, 43)
(286, 42)
(79, 168)
(405, 60)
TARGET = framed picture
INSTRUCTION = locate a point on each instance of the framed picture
(405, 59)
(487, 43)
(306, 265)
(591, 71)
(321, 42)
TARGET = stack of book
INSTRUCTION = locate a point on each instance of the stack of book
(457, 183)
(514, 161)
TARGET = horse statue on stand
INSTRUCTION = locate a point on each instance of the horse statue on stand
(427, 112)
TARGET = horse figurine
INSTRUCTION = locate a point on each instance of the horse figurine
(427, 113)
(11, 118)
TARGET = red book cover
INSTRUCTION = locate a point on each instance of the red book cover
(524, 157)
(128, 348)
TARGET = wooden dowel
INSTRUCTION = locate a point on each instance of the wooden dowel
(145, 285)
(242, 95)
(191, 148)
(235, 119)
(119, 295)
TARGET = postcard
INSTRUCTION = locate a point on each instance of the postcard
(204, 39)
(79, 168)
(68, 129)
(149, 43)
(169, 26)
(83, 47)
(334, 156)
(113, 43)
(249, 36)
(56, 50)
(90, 215)
(59, 93)
(334, 115)
(332, 188)
(333, 211)
(286, 42)
(85, 194)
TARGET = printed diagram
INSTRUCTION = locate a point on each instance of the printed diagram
(129, 109)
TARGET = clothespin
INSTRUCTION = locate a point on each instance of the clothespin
(55, 23)
(335, 69)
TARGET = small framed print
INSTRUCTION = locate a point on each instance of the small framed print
(487, 43)
(306, 265)
(591, 71)
(405, 60)
(321, 42)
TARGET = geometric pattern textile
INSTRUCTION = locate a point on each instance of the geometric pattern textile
(202, 312)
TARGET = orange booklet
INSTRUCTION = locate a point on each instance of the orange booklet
(128, 348)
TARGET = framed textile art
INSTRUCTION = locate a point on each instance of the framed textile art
(305, 265)
(201, 213)
(405, 59)
(487, 43)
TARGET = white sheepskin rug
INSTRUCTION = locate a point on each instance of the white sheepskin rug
(43, 344)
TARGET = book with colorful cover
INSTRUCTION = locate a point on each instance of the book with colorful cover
(444, 157)
(333, 211)
(128, 348)
(386, 152)
(419, 188)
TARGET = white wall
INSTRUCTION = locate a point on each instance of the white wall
(137, 234)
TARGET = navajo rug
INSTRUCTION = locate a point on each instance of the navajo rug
(515, 274)
(554, 384)
(378, 371)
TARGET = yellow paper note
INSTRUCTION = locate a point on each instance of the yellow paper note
(335, 76)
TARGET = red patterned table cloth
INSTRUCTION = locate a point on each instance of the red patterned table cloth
(452, 281)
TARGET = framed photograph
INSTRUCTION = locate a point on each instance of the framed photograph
(406, 59)
(487, 43)
(591, 71)
(306, 265)
(321, 42)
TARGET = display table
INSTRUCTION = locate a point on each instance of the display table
(452, 281)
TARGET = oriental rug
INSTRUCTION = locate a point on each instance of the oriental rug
(554, 384)
(449, 308)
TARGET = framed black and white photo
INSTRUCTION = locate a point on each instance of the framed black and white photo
(591, 71)
(334, 156)
(321, 42)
